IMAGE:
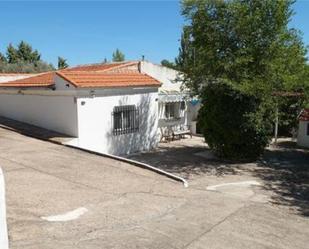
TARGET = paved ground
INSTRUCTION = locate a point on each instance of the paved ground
(128, 207)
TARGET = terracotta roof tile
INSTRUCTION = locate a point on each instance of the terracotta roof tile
(104, 79)
(99, 67)
(17, 74)
(38, 80)
(124, 74)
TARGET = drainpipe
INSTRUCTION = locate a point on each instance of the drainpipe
(4, 243)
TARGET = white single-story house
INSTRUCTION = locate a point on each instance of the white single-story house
(303, 129)
(110, 108)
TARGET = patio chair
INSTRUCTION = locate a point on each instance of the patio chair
(182, 131)
(166, 134)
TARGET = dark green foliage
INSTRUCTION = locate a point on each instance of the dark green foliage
(118, 56)
(2, 58)
(289, 109)
(236, 125)
(168, 64)
(62, 63)
(25, 67)
(249, 45)
(12, 54)
(25, 53)
(23, 59)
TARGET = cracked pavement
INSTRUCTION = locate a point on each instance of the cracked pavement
(129, 207)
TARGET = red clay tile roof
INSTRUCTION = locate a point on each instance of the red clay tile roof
(100, 67)
(304, 115)
(105, 79)
(38, 80)
(123, 74)
(16, 74)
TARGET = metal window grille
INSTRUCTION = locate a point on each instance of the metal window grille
(125, 119)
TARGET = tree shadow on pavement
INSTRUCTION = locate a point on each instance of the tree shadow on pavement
(285, 171)
(185, 160)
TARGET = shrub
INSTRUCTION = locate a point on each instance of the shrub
(235, 125)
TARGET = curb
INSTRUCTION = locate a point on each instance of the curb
(133, 162)
(136, 163)
(4, 243)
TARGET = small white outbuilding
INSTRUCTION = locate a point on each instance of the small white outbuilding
(303, 129)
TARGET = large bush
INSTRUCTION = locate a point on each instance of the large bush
(235, 125)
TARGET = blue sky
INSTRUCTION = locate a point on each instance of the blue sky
(87, 32)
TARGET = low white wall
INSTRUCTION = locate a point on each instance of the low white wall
(303, 138)
(4, 243)
(57, 113)
(95, 122)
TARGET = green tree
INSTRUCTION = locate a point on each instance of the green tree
(12, 54)
(2, 58)
(118, 56)
(25, 53)
(244, 44)
(247, 43)
(169, 64)
(23, 59)
(62, 63)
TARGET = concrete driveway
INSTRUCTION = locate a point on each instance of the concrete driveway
(102, 203)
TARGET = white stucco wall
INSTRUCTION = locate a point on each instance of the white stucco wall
(303, 138)
(58, 113)
(168, 78)
(163, 74)
(95, 121)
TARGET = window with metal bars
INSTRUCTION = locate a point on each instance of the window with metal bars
(125, 119)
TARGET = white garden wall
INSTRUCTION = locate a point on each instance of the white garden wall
(303, 138)
(57, 113)
(95, 121)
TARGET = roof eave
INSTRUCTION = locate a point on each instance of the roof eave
(126, 86)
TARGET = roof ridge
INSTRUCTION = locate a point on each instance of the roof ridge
(120, 66)
(107, 72)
